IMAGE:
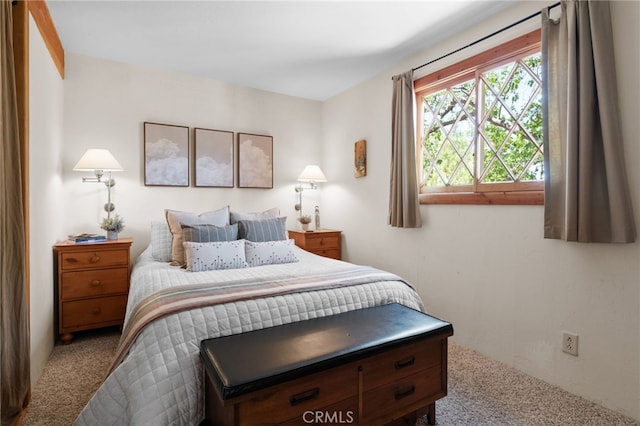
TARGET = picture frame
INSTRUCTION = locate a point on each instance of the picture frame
(255, 161)
(360, 159)
(213, 158)
(166, 155)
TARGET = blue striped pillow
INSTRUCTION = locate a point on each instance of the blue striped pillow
(209, 233)
(260, 231)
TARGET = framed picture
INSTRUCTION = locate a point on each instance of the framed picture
(255, 161)
(166, 155)
(213, 151)
(360, 159)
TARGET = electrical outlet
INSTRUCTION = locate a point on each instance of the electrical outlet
(570, 343)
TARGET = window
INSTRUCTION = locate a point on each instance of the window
(480, 128)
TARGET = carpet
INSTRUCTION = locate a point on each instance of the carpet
(481, 391)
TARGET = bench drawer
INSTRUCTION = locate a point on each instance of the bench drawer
(397, 363)
(396, 397)
(289, 402)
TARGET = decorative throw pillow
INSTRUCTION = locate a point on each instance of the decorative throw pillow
(214, 255)
(160, 241)
(267, 214)
(176, 219)
(263, 230)
(208, 233)
(270, 252)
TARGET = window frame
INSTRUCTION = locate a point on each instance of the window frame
(520, 193)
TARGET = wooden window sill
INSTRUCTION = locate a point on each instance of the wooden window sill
(531, 198)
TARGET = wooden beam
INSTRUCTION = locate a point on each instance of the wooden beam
(42, 17)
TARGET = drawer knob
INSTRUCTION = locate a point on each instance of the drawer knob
(407, 362)
(304, 396)
(96, 311)
(95, 283)
(321, 241)
(403, 393)
(95, 258)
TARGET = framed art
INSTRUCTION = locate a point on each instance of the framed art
(166, 155)
(213, 152)
(360, 159)
(255, 161)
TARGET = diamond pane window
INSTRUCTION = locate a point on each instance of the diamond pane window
(481, 126)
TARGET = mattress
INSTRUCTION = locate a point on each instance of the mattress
(160, 379)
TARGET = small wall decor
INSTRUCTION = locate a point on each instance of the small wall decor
(255, 161)
(360, 159)
(166, 155)
(213, 152)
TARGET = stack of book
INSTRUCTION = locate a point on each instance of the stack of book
(87, 238)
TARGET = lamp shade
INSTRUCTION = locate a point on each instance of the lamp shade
(97, 159)
(312, 173)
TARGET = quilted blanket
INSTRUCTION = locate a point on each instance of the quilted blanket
(158, 379)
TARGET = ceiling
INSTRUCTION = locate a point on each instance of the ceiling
(308, 49)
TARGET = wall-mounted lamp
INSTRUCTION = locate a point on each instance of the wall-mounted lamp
(312, 175)
(100, 161)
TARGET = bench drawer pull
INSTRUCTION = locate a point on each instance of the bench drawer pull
(405, 392)
(304, 396)
(405, 362)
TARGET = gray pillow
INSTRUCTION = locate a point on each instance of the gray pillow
(209, 233)
(263, 230)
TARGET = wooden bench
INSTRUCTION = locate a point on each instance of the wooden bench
(380, 365)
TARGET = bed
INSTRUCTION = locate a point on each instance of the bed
(157, 376)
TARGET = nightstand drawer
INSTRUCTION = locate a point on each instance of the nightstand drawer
(332, 253)
(94, 259)
(94, 311)
(322, 243)
(99, 282)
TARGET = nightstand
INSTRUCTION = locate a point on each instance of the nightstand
(323, 242)
(92, 284)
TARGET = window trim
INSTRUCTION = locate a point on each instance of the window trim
(521, 193)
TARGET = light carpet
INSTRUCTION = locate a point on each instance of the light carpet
(481, 391)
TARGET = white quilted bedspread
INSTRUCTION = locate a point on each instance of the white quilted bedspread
(160, 382)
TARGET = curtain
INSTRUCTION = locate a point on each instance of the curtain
(14, 333)
(404, 201)
(587, 196)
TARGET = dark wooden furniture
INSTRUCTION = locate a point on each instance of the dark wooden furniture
(91, 285)
(380, 365)
(324, 242)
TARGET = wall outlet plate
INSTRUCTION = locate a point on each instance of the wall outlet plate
(570, 343)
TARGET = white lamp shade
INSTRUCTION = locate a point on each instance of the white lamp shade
(312, 173)
(97, 159)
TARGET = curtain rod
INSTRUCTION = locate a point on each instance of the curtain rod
(486, 37)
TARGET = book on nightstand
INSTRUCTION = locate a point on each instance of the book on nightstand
(87, 238)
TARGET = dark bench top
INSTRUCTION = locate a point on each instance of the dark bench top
(246, 362)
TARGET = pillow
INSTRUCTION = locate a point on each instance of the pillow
(214, 255)
(160, 241)
(208, 233)
(262, 230)
(269, 252)
(176, 219)
(267, 214)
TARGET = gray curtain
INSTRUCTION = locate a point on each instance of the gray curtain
(404, 201)
(14, 333)
(587, 196)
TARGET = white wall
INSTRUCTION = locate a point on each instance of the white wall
(45, 193)
(106, 104)
(487, 269)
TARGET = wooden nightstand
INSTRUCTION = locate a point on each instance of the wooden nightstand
(92, 284)
(323, 242)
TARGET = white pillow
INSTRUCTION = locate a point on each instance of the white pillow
(161, 239)
(267, 214)
(176, 219)
(270, 252)
(214, 255)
